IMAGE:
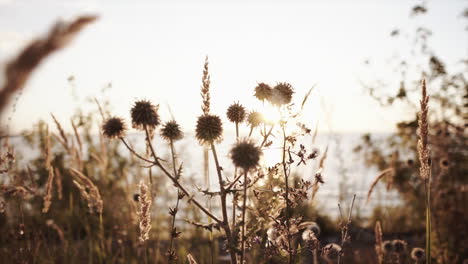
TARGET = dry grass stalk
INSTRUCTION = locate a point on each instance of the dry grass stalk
(58, 182)
(378, 242)
(77, 136)
(48, 197)
(63, 137)
(145, 212)
(423, 151)
(20, 68)
(389, 171)
(48, 151)
(89, 191)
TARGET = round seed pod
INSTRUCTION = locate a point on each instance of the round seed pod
(144, 114)
(387, 247)
(281, 94)
(399, 246)
(171, 131)
(113, 127)
(209, 129)
(417, 254)
(263, 91)
(255, 119)
(245, 155)
(236, 113)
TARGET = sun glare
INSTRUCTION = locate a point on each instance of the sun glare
(271, 114)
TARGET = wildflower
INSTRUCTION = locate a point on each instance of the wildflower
(332, 251)
(236, 113)
(113, 127)
(417, 254)
(263, 91)
(144, 114)
(171, 131)
(281, 94)
(387, 247)
(245, 155)
(255, 119)
(209, 128)
(399, 246)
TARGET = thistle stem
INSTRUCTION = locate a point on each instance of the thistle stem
(244, 205)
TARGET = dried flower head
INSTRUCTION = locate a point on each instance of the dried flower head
(113, 127)
(444, 163)
(308, 235)
(332, 251)
(209, 128)
(263, 91)
(144, 114)
(399, 246)
(272, 234)
(417, 254)
(171, 131)
(387, 247)
(255, 119)
(236, 113)
(314, 227)
(245, 155)
(281, 94)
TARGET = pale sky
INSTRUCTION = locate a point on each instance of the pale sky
(155, 50)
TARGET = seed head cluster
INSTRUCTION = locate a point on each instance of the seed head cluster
(245, 155)
(114, 127)
(144, 114)
(236, 113)
(209, 129)
(171, 131)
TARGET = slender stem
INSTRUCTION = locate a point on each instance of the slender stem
(243, 219)
(174, 165)
(178, 185)
(267, 135)
(290, 251)
(225, 222)
(234, 198)
(134, 152)
(346, 228)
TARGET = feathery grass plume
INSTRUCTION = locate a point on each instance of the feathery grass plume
(389, 171)
(209, 129)
(89, 191)
(425, 170)
(245, 155)
(144, 114)
(423, 151)
(281, 94)
(63, 137)
(48, 151)
(48, 197)
(145, 212)
(255, 119)
(19, 69)
(387, 247)
(58, 182)
(205, 89)
(378, 242)
(399, 246)
(332, 252)
(263, 91)
(417, 254)
(236, 113)
(114, 127)
(171, 131)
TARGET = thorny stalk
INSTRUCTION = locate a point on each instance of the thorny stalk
(244, 205)
(173, 212)
(285, 171)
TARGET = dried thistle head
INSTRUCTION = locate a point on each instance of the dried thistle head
(399, 246)
(171, 131)
(417, 254)
(236, 113)
(144, 114)
(245, 155)
(332, 251)
(263, 91)
(308, 235)
(387, 247)
(114, 127)
(281, 94)
(255, 119)
(209, 129)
